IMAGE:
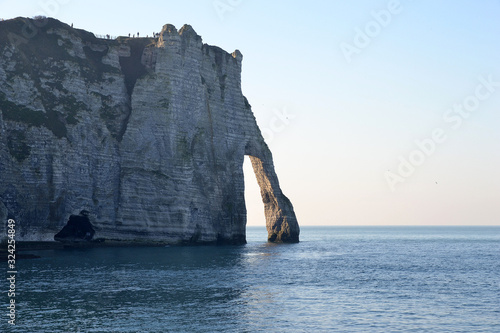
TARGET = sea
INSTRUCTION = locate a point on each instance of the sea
(337, 279)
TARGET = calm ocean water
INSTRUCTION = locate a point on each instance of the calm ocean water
(337, 279)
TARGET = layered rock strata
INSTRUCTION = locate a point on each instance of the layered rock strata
(147, 134)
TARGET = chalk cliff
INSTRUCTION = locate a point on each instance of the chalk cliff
(147, 134)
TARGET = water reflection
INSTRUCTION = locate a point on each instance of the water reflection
(120, 288)
(124, 287)
(344, 281)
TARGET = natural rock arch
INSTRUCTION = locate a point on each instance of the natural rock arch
(281, 222)
(151, 144)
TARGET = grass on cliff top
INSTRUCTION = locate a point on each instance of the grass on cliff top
(22, 30)
(42, 56)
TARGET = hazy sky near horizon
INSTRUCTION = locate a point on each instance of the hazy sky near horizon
(377, 112)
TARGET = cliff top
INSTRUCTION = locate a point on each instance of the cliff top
(21, 29)
(39, 48)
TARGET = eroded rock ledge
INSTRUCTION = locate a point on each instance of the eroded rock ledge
(147, 134)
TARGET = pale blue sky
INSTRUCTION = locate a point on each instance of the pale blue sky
(349, 122)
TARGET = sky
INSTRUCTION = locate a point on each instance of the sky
(376, 112)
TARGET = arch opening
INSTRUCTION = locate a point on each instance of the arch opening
(253, 200)
(279, 217)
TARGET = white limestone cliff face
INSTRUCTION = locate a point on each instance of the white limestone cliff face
(148, 135)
